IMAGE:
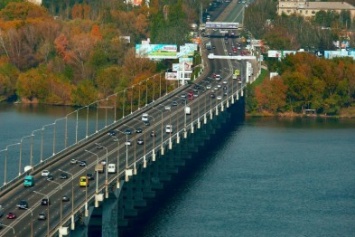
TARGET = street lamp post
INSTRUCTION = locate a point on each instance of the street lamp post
(31, 149)
(146, 92)
(162, 130)
(72, 197)
(132, 100)
(46, 196)
(139, 95)
(43, 128)
(5, 160)
(124, 102)
(20, 160)
(115, 107)
(31, 220)
(106, 173)
(54, 132)
(97, 173)
(118, 164)
(66, 128)
(126, 165)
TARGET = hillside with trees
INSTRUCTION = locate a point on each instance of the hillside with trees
(72, 52)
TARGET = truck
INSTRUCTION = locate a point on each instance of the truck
(187, 110)
(236, 74)
(29, 181)
(99, 168)
(111, 168)
(208, 45)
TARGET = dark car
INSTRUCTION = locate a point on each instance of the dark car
(153, 134)
(50, 177)
(42, 216)
(139, 130)
(212, 95)
(22, 204)
(90, 176)
(65, 198)
(82, 163)
(174, 103)
(140, 141)
(63, 176)
(146, 123)
(11, 215)
(128, 132)
(45, 202)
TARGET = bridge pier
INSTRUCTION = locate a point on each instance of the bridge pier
(170, 143)
(205, 118)
(178, 138)
(192, 128)
(217, 110)
(153, 154)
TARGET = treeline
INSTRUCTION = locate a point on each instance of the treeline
(73, 53)
(294, 32)
(305, 82)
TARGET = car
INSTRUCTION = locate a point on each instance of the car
(82, 163)
(45, 202)
(128, 143)
(140, 141)
(213, 47)
(41, 216)
(139, 130)
(146, 123)
(73, 161)
(219, 86)
(183, 95)
(103, 162)
(225, 93)
(169, 128)
(224, 82)
(219, 97)
(63, 176)
(45, 173)
(111, 133)
(212, 95)
(65, 198)
(174, 103)
(225, 88)
(167, 107)
(50, 177)
(11, 215)
(208, 87)
(90, 176)
(128, 131)
(115, 139)
(145, 117)
(153, 134)
(23, 204)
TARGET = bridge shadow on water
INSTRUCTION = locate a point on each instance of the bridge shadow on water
(195, 166)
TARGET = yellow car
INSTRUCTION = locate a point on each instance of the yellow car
(83, 181)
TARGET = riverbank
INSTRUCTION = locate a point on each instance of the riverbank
(344, 113)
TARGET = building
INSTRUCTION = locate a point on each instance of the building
(309, 9)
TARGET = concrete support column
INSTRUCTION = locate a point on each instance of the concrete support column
(192, 128)
(72, 224)
(170, 144)
(233, 99)
(86, 209)
(185, 133)
(237, 96)
(162, 149)
(241, 93)
(227, 105)
(198, 123)
(216, 110)
(211, 114)
(135, 168)
(205, 118)
(222, 107)
(144, 161)
(153, 155)
(178, 138)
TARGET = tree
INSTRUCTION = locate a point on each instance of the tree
(85, 93)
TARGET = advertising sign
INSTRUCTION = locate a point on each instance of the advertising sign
(171, 75)
(156, 51)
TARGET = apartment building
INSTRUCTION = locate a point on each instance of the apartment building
(309, 9)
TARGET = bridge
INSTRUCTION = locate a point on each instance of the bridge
(146, 154)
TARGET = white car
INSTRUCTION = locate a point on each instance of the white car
(73, 161)
(224, 82)
(169, 128)
(128, 143)
(208, 87)
(167, 107)
(45, 173)
(219, 97)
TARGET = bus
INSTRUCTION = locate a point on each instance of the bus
(83, 181)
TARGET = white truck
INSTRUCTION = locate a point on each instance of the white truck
(187, 110)
(208, 45)
(111, 168)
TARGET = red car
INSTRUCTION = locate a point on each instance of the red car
(11, 215)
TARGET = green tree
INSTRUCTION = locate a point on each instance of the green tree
(85, 93)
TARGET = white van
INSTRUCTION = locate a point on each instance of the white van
(145, 117)
(187, 110)
(111, 168)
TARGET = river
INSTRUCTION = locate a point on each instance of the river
(265, 177)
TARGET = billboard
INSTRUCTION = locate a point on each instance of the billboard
(171, 75)
(187, 50)
(156, 51)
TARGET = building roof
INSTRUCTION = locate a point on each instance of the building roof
(317, 5)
